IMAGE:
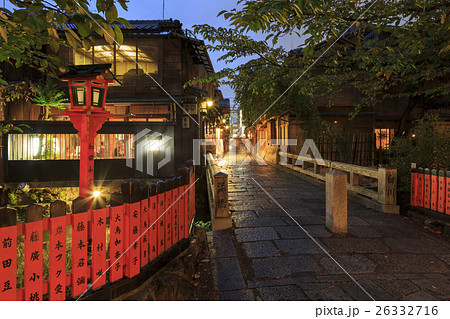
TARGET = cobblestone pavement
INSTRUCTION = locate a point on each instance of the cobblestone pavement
(267, 257)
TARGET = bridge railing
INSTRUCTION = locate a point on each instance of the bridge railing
(382, 181)
(217, 184)
(66, 256)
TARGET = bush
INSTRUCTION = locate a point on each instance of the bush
(428, 145)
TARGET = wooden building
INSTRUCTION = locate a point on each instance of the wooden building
(151, 67)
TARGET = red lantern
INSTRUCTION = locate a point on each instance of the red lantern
(88, 85)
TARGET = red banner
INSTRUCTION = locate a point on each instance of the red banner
(181, 212)
(153, 227)
(447, 192)
(79, 253)
(168, 218)
(116, 243)
(8, 266)
(33, 261)
(434, 190)
(132, 245)
(441, 192)
(99, 248)
(57, 259)
(420, 178)
(144, 231)
(175, 209)
(427, 189)
(161, 223)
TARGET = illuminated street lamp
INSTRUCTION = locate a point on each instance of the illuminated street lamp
(88, 85)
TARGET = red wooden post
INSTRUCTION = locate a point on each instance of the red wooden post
(420, 180)
(441, 192)
(447, 191)
(8, 254)
(181, 209)
(434, 190)
(57, 251)
(116, 242)
(153, 223)
(33, 258)
(168, 213)
(427, 188)
(132, 196)
(99, 248)
(414, 181)
(79, 246)
(161, 189)
(175, 215)
(145, 217)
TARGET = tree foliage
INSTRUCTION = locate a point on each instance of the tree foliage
(35, 25)
(48, 95)
(393, 49)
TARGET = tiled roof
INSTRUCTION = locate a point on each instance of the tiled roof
(147, 26)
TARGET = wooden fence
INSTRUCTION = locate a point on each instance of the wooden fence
(430, 189)
(63, 256)
(363, 149)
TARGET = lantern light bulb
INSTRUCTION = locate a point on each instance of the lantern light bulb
(96, 193)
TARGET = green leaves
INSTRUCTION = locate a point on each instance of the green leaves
(34, 25)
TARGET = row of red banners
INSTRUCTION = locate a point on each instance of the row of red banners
(138, 233)
(430, 189)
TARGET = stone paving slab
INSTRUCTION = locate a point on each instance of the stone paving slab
(261, 249)
(388, 255)
(274, 267)
(255, 234)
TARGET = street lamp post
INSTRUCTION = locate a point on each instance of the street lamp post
(88, 85)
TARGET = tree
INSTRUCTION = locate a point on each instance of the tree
(395, 49)
(33, 32)
(48, 94)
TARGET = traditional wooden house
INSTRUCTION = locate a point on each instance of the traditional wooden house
(151, 67)
(364, 138)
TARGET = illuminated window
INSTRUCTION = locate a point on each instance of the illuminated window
(25, 147)
(384, 138)
(104, 53)
(82, 57)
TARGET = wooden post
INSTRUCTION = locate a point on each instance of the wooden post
(57, 251)
(387, 185)
(33, 257)
(434, 190)
(354, 179)
(79, 246)
(441, 192)
(116, 245)
(336, 201)
(8, 254)
(427, 189)
(420, 187)
(221, 206)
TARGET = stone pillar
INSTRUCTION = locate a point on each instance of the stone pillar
(336, 201)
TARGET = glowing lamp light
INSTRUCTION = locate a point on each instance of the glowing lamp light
(154, 145)
(209, 103)
(96, 193)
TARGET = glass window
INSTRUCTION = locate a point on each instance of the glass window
(104, 53)
(125, 63)
(148, 61)
(82, 57)
(26, 147)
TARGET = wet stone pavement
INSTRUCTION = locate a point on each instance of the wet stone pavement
(267, 257)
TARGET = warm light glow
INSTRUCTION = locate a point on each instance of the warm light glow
(96, 193)
(209, 103)
(80, 95)
(335, 122)
(223, 121)
(414, 135)
(154, 145)
(227, 127)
